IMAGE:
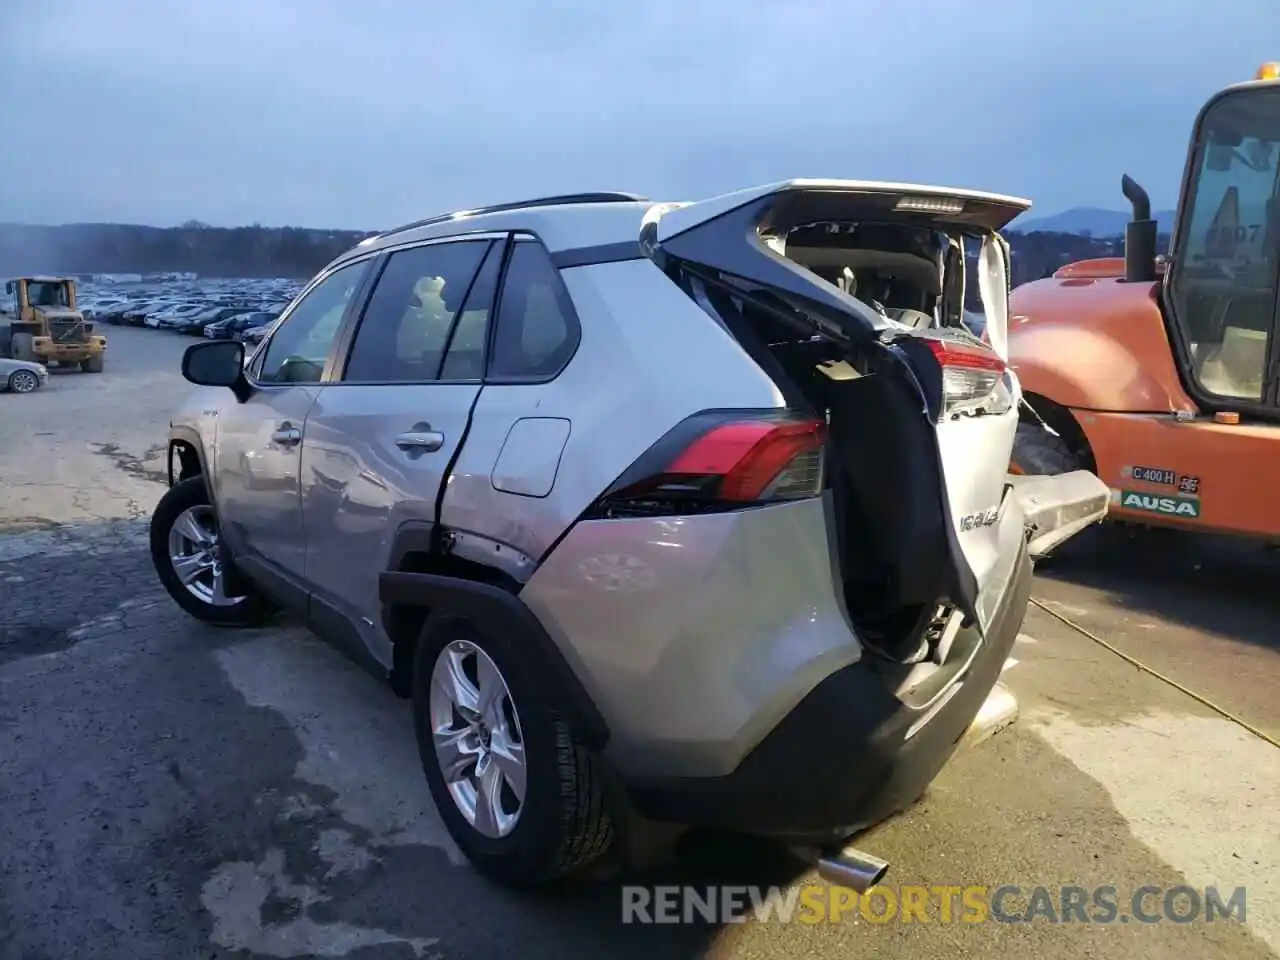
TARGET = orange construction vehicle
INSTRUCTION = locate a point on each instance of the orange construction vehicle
(1162, 374)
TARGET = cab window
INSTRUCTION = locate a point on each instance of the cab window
(1223, 286)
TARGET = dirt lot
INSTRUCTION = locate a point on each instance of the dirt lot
(167, 791)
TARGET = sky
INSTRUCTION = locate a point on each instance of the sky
(363, 114)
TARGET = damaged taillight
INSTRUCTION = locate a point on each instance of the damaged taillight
(970, 378)
(721, 461)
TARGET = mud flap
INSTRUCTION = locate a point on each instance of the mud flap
(1059, 507)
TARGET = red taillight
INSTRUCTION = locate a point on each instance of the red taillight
(717, 462)
(973, 378)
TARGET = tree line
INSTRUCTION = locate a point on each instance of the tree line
(257, 251)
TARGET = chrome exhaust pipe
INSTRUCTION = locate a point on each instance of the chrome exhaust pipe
(853, 869)
(848, 867)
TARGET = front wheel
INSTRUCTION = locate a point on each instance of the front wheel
(522, 799)
(23, 381)
(1039, 452)
(92, 364)
(185, 553)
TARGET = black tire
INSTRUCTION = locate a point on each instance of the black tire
(251, 609)
(565, 820)
(23, 347)
(93, 364)
(1038, 452)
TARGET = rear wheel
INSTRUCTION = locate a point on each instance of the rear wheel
(185, 553)
(23, 381)
(93, 364)
(23, 346)
(522, 799)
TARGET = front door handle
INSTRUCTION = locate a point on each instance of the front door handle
(287, 435)
(428, 441)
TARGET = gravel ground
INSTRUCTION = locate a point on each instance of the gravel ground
(171, 791)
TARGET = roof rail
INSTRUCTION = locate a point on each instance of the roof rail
(603, 196)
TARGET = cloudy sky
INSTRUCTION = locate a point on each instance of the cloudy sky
(365, 113)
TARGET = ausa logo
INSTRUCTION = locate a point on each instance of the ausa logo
(1154, 503)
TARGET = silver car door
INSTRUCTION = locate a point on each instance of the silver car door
(258, 449)
(386, 429)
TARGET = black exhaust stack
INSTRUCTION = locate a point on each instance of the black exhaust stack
(1139, 235)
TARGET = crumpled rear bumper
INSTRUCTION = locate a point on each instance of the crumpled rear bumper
(1059, 507)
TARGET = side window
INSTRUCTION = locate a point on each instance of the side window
(405, 329)
(298, 348)
(537, 328)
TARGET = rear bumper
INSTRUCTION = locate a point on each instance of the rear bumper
(848, 755)
(1057, 508)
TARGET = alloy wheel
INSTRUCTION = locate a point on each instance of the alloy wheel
(23, 381)
(478, 742)
(193, 552)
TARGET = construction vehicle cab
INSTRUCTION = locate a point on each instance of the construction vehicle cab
(1162, 374)
(39, 321)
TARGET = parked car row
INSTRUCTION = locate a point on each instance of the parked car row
(216, 309)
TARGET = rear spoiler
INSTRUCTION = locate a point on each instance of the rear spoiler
(727, 235)
(792, 203)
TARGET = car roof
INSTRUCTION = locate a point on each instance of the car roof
(582, 220)
(564, 222)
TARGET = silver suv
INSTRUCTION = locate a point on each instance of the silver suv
(695, 510)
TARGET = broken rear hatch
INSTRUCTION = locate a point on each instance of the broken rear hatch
(960, 414)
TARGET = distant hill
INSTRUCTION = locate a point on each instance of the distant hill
(1087, 222)
(194, 247)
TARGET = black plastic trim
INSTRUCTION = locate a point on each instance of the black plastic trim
(841, 760)
(599, 253)
(413, 536)
(189, 437)
(494, 609)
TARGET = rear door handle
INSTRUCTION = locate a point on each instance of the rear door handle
(424, 440)
(287, 435)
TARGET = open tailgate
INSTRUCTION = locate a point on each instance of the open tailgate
(742, 236)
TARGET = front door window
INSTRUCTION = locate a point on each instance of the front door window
(1223, 288)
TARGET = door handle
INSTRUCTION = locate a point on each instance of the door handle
(424, 440)
(287, 435)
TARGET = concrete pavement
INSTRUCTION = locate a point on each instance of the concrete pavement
(170, 791)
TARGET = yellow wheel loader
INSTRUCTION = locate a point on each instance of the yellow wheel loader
(39, 321)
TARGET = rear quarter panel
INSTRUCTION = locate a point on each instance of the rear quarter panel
(648, 358)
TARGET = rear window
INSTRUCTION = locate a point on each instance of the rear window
(917, 275)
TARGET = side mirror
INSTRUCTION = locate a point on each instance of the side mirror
(219, 363)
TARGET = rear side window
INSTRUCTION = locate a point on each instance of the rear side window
(537, 329)
(407, 324)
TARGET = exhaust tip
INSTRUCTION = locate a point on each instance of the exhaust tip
(853, 869)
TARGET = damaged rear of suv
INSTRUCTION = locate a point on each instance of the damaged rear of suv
(713, 504)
